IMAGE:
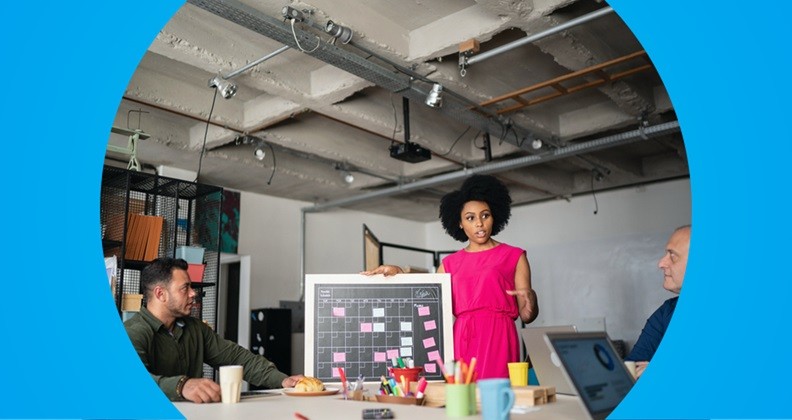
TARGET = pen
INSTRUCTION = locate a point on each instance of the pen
(451, 374)
(442, 368)
(470, 370)
(384, 386)
(343, 380)
(421, 387)
(394, 387)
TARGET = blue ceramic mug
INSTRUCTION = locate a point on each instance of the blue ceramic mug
(497, 398)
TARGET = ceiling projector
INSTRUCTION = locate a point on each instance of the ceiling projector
(410, 152)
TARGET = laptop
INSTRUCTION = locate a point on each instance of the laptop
(546, 366)
(592, 366)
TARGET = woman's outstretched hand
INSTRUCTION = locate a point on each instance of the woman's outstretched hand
(386, 270)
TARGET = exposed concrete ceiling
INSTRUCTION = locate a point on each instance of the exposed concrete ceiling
(317, 117)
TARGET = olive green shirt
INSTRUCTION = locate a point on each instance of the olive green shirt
(170, 355)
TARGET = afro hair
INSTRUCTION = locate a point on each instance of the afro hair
(484, 188)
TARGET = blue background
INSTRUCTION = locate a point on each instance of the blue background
(725, 64)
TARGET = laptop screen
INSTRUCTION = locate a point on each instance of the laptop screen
(594, 368)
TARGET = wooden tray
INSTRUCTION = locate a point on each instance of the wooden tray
(392, 399)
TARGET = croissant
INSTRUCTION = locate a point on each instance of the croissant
(309, 384)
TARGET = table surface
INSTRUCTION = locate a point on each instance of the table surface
(332, 407)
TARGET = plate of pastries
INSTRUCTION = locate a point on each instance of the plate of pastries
(310, 387)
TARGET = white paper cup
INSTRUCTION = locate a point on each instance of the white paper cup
(631, 367)
(231, 383)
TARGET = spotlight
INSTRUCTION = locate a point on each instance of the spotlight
(536, 144)
(348, 177)
(226, 88)
(259, 152)
(435, 97)
(598, 176)
(342, 33)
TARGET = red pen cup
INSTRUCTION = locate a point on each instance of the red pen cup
(410, 374)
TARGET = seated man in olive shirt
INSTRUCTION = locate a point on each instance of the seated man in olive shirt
(174, 346)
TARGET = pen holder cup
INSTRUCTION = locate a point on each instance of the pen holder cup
(410, 374)
(392, 399)
(357, 395)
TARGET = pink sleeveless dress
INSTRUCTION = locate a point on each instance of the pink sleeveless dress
(484, 327)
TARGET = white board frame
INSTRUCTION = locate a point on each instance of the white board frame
(311, 280)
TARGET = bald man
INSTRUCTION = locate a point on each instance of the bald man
(673, 264)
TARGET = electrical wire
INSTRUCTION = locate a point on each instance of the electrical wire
(206, 133)
(395, 119)
(457, 139)
(596, 205)
(273, 162)
(294, 33)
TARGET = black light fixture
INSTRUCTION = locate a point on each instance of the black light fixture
(408, 151)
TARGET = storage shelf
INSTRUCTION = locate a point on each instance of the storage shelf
(191, 217)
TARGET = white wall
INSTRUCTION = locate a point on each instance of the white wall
(270, 234)
(585, 266)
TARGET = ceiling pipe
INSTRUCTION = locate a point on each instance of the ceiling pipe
(466, 61)
(560, 153)
(353, 63)
(255, 63)
(642, 133)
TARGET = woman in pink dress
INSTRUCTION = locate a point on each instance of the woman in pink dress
(490, 281)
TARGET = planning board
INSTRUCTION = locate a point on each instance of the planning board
(361, 323)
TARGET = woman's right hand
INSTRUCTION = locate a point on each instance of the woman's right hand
(386, 270)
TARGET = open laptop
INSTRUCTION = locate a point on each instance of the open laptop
(546, 366)
(592, 366)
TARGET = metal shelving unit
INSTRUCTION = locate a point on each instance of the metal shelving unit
(192, 216)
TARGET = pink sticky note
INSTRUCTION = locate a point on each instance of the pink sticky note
(379, 356)
(423, 311)
(365, 327)
(430, 368)
(338, 311)
(393, 353)
(433, 355)
(429, 342)
(339, 357)
(430, 325)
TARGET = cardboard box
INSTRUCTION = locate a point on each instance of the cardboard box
(131, 302)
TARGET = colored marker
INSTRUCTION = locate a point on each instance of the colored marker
(442, 368)
(343, 380)
(471, 368)
(421, 387)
